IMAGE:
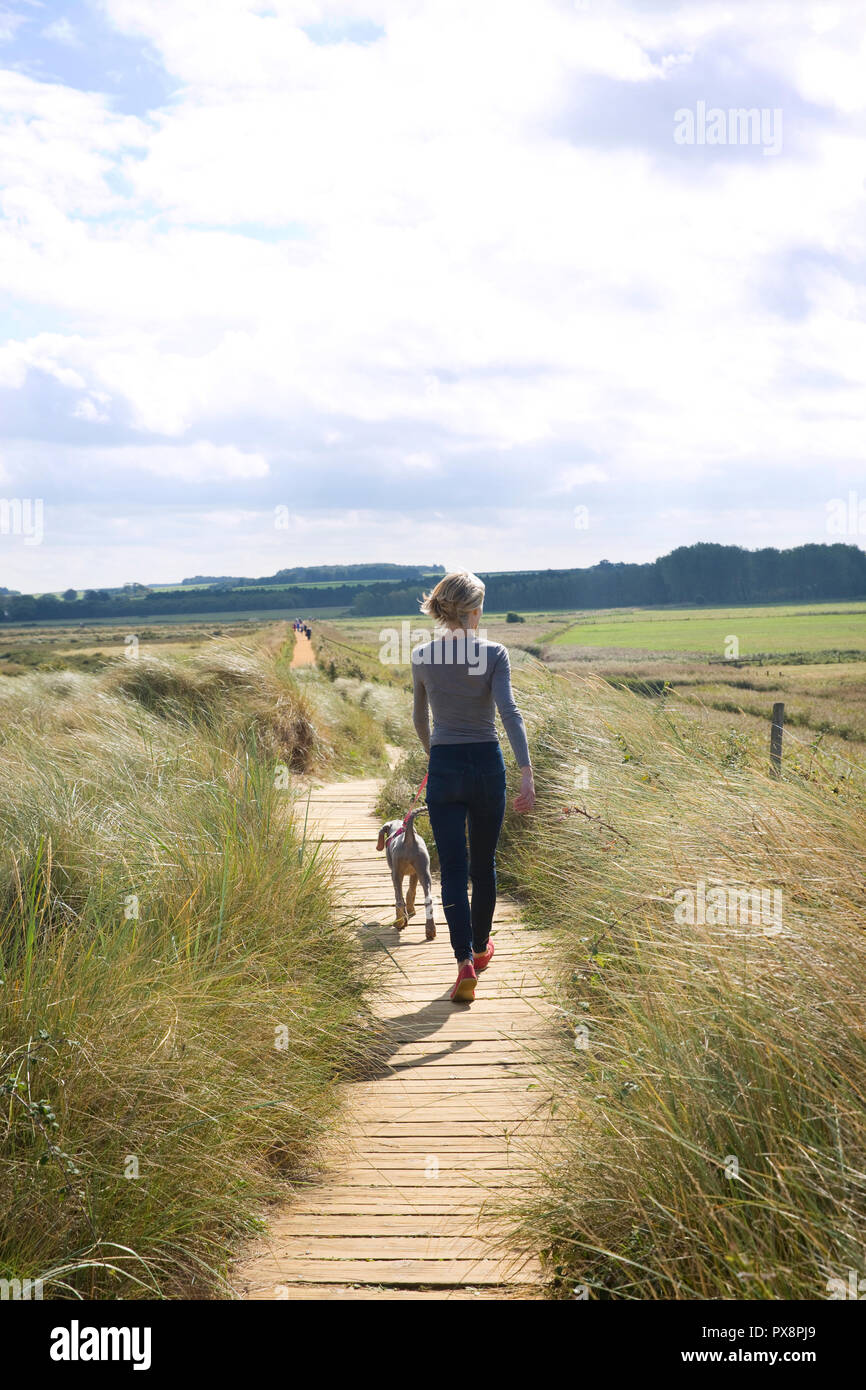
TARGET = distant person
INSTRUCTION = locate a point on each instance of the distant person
(463, 681)
(309, 632)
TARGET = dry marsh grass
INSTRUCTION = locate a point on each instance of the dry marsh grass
(716, 1145)
(178, 997)
(825, 703)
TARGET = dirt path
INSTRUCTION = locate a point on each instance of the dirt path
(303, 654)
(445, 1133)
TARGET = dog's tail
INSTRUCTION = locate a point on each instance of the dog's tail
(409, 832)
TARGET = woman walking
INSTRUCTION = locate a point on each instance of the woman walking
(463, 680)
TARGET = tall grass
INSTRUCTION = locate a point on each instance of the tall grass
(352, 726)
(354, 653)
(178, 996)
(716, 1137)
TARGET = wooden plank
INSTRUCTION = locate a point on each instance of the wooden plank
(409, 1170)
(443, 1198)
(459, 1144)
(397, 1272)
(505, 1051)
(428, 1201)
(355, 1293)
(439, 1105)
(493, 1121)
(442, 1075)
(453, 1065)
(295, 1249)
(410, 1085)
(378, 1226)
(451, 1143)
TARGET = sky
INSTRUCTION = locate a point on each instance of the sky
(497, 284)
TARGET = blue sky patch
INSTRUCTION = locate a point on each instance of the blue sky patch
(73, 44)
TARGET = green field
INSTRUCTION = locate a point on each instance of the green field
(243, 615)
(764, 630)
(290, 584)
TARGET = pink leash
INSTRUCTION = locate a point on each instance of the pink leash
(405, 821)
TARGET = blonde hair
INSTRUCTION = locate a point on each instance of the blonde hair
(454, 597)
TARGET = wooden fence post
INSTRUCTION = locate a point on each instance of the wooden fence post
(776, 740)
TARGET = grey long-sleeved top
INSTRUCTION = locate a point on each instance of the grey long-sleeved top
(463, 681)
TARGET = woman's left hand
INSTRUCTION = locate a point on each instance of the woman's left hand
(525, 798)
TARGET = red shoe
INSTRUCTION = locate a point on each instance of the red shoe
(464, 990)
(482, 961)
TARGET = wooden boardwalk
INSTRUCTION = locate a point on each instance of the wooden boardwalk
(446, 1134)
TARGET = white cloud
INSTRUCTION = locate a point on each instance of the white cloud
(87, 409)
(49, 353)
(62, 31)
(567, 479)
(189, 463)
(10, 23)
(57, 147)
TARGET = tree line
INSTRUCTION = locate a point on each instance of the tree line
(704, 574)
(322, 574)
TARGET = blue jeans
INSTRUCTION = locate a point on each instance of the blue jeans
(466, 783)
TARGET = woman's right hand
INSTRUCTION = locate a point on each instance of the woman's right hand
(525, 798)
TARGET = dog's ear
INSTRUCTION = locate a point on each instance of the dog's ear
(380, 843)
